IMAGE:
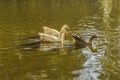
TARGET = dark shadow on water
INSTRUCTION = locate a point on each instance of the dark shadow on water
(32, 43)
(28, 43)
(77, 46)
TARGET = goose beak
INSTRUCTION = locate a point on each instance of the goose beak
(66, 33)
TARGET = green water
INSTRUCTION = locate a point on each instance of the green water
(23, 58)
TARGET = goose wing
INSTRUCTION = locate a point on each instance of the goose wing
(50, 31)
(78, 39)
(48, 38)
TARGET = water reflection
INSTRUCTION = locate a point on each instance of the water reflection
(55, 67)
(93, 69)
(107, 6)
(92, 66)
(112, 37)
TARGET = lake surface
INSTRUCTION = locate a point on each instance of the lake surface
(22, 57)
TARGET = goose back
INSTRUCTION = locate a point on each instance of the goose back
(50, 31)
(79, 40)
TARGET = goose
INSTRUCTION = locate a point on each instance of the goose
(52, 31)
(44, 37)
(81, 42)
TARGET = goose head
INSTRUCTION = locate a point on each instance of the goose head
(64, 29)
(93, 43)
(65, 26)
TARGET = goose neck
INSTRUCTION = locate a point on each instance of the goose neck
(62, 35)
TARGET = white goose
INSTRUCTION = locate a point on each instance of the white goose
(52, 38)
(55, 32)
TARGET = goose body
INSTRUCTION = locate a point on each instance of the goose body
(52, 31)
(81, 42)
(48, 37)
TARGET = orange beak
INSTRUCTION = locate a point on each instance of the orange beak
(66, 33)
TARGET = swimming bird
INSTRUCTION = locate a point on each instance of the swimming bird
(44, 37)
(81, 42)
(52, 31)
